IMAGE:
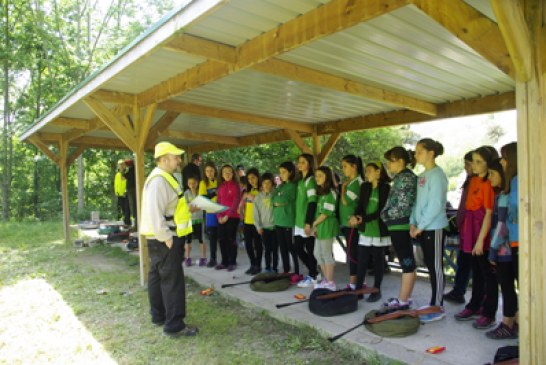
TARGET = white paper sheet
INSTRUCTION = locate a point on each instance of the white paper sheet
(208, 205)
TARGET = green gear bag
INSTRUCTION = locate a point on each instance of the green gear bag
(258, 283)
(398, 327)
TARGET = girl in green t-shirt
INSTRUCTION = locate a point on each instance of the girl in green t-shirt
(374, 235)
(350, 192)
(325, 226)
(284, 199)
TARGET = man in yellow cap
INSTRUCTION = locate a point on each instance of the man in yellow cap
(120, 189)
(165, 220)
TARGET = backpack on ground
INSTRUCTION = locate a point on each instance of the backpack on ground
(331, 307)
(398, 327)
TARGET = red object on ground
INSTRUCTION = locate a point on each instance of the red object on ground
(436, 349)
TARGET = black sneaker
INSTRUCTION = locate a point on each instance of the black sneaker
(453, 297)
(374, 297)
(256, 270)
(212, 263)
(185, 332)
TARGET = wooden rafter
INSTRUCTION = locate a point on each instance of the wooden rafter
(328, 147)
(144, 126)
(35, 140)
(161, 125)
(327, 19)
(115, 97)
(204, 137)
(75, 154)
(296, 138)
(469, 25)
(117, 125)
(235, 116)
(203, 47)
(514, 29)
(307, 75)
(73, 123)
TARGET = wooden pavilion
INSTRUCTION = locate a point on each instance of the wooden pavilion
(217, 74)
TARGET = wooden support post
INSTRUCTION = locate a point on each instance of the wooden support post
(316, 146)
(142, 126)
(139, 185)
(523, 29)
(63, 166)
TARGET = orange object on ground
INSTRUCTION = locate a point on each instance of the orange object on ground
(436, 349)
(207, 291)
(300, 296)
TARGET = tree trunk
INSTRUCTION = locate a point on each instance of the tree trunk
(6, 135)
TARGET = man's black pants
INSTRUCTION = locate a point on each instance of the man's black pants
(166, 287)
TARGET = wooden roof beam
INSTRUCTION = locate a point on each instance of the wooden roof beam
(469, 25)
(296, 138)
(204, 137)
(328, 147)
(235, 116)
(250, 140)
(203, 47)
(514, 29)
(115, 97)
(487, 104)
(161, 125)
(307, 75)
(325, 20)
(73, 123)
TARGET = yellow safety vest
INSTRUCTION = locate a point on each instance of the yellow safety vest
(120, 184)
(182, 214)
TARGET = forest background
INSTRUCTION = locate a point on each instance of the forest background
(48, 47)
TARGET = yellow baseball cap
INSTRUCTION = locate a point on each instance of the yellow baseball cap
(164, 148)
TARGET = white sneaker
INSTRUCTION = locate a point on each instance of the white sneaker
(330, 285)
(307, 282)
(321, 285)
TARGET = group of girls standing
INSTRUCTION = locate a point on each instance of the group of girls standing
(302, 216)
(489, 241)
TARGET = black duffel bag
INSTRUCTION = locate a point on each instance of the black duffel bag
(331, 307)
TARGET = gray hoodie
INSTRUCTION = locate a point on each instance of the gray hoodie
(263, 211)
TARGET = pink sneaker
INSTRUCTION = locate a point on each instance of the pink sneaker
(483, 323)
(467, 315)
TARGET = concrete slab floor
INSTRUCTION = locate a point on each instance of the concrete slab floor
(464, 344)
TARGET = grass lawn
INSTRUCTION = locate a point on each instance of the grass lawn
(62, 305)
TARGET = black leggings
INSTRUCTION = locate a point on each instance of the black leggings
(507, 275)
(364, 255)
(432, 244)
(284, 239)
(305, 247)
(269, 238)
(351, 237)
(401, 241)
(212, 232)
(253, 245)
(227, 233)
(484, 286)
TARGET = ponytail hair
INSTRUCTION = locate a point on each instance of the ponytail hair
(383, 176)
(432, 145)
(356, 161)
(400, 153)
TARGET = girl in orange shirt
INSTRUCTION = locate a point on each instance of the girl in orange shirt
(475, 239)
